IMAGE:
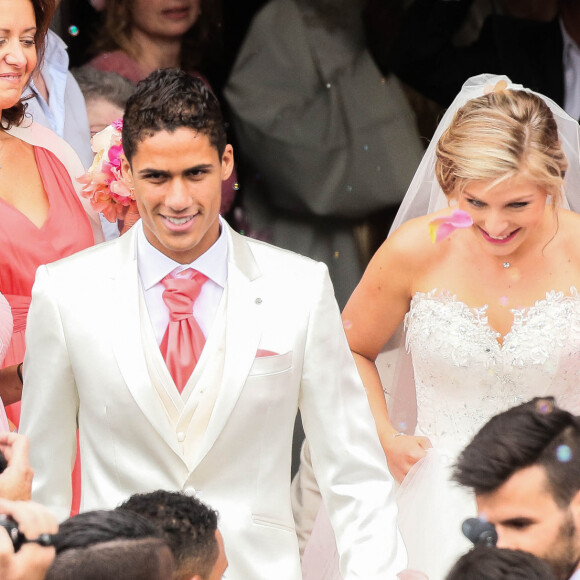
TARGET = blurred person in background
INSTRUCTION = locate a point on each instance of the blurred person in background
(328, 143)
(534, 42)
(105, 95)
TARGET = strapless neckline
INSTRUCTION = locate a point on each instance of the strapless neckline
(478, 314)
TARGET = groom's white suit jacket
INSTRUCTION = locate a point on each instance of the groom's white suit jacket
(85, 365)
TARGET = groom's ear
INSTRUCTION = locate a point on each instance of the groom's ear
(126, 170)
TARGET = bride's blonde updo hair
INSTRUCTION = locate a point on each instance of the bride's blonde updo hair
(498, 136)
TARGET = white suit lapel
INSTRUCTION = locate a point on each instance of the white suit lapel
(126, 340)
(243, 332)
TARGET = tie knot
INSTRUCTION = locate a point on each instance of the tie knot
(181, 292)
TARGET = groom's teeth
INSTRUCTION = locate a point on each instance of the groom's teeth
(179, 221)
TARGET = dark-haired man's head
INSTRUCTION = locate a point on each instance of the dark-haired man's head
(145, 559)
(95, 527)
(190, 529)
(167, 100)
(524, 467)
(485, 563)
(175, 158)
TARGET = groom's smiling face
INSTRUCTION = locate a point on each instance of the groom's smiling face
(177, 178)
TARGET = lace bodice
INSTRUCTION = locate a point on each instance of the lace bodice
(464, 376)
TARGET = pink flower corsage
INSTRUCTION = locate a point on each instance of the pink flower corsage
(441, 227)
(103, 183)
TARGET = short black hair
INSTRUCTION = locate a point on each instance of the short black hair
(188, 526)
(143, 559)
(167, 100)
(535, 433)
(94, 527)
(485, 563)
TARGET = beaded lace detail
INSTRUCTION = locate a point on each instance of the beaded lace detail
(464, 376)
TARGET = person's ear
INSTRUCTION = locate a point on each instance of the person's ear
(227, 162)
(575, 507)
(126, 171)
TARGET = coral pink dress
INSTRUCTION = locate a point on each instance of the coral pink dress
(5, 337)
(25, 247)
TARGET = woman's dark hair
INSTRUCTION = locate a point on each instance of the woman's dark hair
(197, 44)
(43, 13)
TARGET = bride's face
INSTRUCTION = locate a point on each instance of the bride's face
(506, 216)
(17, 49)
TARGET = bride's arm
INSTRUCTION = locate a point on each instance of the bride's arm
(373, 313)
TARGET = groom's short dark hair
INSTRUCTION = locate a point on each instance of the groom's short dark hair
(167, 100)
(535, 433)
(188, 526)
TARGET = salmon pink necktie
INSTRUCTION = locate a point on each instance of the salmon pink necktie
(183, 340)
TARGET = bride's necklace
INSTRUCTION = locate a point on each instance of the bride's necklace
(506, 264)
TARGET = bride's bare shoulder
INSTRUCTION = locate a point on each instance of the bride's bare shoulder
(568, 218)
(412, 240)
(569, 225)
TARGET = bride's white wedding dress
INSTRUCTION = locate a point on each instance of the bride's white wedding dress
(464, 376)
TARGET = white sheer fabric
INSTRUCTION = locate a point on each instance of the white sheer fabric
(424, 194)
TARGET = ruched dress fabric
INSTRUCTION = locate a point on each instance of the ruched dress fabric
(25, 246)
(5, 337)
(464, 376)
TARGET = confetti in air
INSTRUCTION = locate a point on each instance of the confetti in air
(441, 227)
(544, 406)
(563, 453)
(73, 30)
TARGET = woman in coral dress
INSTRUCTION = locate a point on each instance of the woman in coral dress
(42, 218)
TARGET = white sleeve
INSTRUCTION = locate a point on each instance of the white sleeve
(49, 400)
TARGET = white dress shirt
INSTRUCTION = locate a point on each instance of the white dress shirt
(571, 62)
(66, 112)
(153, 266)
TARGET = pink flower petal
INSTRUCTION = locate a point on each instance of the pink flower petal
(443, 226)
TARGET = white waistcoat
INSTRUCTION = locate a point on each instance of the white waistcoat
(189, 412)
